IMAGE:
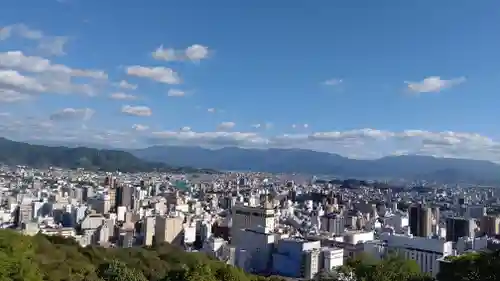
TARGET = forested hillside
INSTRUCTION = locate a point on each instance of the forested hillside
(52, 258)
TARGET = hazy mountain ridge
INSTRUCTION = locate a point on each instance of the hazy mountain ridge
(43, 156)
(313, 162)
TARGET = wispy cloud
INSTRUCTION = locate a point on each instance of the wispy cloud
(50, 45)
(433, 84)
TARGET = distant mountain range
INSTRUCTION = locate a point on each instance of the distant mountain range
(311, 162)
(167, 158)
(19, 153)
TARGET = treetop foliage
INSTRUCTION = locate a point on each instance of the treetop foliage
(53, 258)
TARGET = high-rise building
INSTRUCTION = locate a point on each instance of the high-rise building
(490, 225)
(459, 227)
(250, 217)
(420, 220)
(148, 231)
(333, 223)
(437, 215)
(23, 214)
(127, 238)
(124, 196)
(168, 229)
(474, 211)
(112, 198)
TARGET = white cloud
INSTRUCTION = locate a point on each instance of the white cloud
(50, 45)
(14, 80)
(211, 110)
(35, 128)
(72, 114)
(8, 96)
(267, 125)
(224, 126)
(41, 75)
(126, 85)
(139, 127)
(176, 93)
(193, 53)
(166, 54)
(122, 96)
(196, 52)
(18, 61)
(359, 143)
(332, 82)
(53, 46)
(137, 110)
(158, 74)
(206, 138)
(20, 30)
(433, 84)
(297, 126)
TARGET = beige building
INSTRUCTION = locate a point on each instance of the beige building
(148, 231)
(244, 217)
(168, 229)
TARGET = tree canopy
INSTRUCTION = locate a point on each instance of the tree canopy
(53, 258)
(471, 267)
(391, 268)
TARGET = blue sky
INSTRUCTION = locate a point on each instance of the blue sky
(361, 78)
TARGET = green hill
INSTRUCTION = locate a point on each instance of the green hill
(40, 156)
(52, 258)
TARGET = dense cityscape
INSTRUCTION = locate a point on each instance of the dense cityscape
(298, 225)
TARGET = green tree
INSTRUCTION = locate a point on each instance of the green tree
(325, 275)
(118, 271)
(391, 268)
(394, 268)
(229, 273)
(16, 258)
(471, 267)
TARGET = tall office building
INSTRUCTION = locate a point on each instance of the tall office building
(112, 198)
(148, 230)
(459, 227)
(490, 225)
(169, 229)
(23, 214)
(333, 223)
(436, 214)
(475, 211)
(250, 217)
(420, 220)
(124, 196)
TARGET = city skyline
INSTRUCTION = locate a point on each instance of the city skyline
(363, 81)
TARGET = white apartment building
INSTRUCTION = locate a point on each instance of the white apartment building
(246, 217)
(259, 248)
(332, 257)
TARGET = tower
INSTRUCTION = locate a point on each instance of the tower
(420, 220)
